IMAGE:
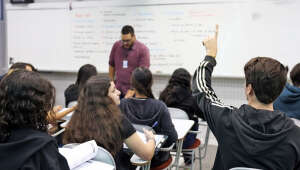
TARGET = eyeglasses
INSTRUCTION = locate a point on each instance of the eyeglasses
(126, 41)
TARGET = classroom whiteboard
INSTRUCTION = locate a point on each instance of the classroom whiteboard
(54, 38)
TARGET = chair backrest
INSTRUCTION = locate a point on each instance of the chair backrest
(176, 113)
(243, 168)
(102, 155)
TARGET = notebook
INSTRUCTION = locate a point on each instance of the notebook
(79, 157)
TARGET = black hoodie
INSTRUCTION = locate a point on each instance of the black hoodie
(31, 149)
(71, 94)
(247, 137)
(147, 112)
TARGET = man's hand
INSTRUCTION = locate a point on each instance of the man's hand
(211, 44)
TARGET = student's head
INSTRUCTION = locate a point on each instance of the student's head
(97, 115)
(180, 79)
(265, 79)
(25, 100)
(85, 72)
(25, 66)
(295, 75)
(141, 81)
(127, 36)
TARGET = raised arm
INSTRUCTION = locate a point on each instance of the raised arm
(211, 44)
(111, 62)
(111, 73)
(58, 115)
(206, 98)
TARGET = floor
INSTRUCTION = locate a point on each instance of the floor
(208, 161)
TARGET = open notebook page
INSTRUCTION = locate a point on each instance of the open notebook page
(79, 154)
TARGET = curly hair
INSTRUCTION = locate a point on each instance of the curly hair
(97, 117)
(179, 83)
(25, 101)
(141, 80)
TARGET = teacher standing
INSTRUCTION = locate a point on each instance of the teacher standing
(126, 55)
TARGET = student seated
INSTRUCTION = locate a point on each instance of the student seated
(98, 118)
(144, 109)
(254, 135)
(289, 100)
(72, 92)
(25, 100)
(178, 94)
(20, 65)
(29, 67)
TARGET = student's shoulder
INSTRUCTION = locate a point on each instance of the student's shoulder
(117, 44)
(36, 136)
(151, 100)
(141, 45)
(157, 103)
(71, 87)
(125, 101)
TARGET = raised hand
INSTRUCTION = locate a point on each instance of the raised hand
(211, 44)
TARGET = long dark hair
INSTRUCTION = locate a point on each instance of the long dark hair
(96, 117)
(25, 100)
(85, 72)
(179, 85)
(141, 80)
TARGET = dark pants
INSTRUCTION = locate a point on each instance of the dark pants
(189, 141)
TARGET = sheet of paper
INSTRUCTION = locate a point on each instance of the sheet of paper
(80, 154)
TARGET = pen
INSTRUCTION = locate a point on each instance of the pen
(155, 124)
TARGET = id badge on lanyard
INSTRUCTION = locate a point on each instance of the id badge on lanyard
(125, 63)
(125, 60)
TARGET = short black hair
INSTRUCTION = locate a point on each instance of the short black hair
(127, 29)
(295, 75)
(21, 65)
(267, 77)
